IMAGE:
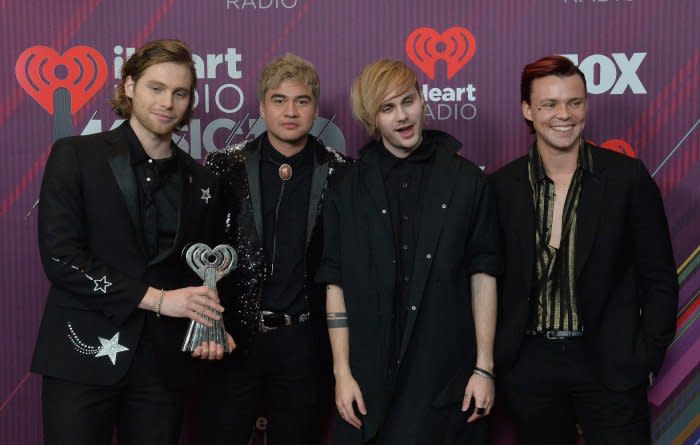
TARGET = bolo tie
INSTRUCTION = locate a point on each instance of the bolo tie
(285, 173)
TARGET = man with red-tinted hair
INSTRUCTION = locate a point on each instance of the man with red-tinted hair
(588, 300)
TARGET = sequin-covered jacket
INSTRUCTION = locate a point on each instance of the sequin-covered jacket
(237, 167)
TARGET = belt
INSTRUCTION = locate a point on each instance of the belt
(269, 321)
(556, 335)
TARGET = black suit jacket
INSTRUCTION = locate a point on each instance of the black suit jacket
(624, 269)
(91, 247)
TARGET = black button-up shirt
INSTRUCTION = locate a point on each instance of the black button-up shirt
(404, 182)
(160, 188)
(285, 207)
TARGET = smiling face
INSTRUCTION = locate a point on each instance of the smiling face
(289, 111)
(557, 110)
(159, 100)
(400, 122)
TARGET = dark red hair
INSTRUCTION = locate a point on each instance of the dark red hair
(553, 65)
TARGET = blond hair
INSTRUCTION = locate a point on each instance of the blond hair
(371, 87)
(288, 67)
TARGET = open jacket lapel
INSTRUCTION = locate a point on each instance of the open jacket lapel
(252, 168)
(119, 159)
(523, 225)
(318, 182)
(379, 223)
(588, 218)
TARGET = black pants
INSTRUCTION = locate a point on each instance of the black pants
(278, 373)
(141, 409)
(553, 387)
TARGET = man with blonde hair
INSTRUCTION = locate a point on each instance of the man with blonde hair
(410, 255)
(273, 193)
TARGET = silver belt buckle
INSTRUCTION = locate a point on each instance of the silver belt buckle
(561, 335)
(262, 327)
(549, 335)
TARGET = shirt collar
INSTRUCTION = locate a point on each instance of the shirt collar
(305, 156)
(387, 161)
(536, 167)
(139, 155)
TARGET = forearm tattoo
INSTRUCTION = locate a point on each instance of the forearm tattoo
(337, 319)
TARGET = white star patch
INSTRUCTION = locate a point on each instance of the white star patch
(206, 195)
(110, 348)
(102, 284)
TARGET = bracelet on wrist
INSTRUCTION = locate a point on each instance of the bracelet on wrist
(484, 373)
(160, 302)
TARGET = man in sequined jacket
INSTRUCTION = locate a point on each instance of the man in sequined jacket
(273, 189)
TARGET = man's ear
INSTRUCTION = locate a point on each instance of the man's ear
(129, 84)
(527, 110)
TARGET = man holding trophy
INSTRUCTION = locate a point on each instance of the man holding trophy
(116, 210)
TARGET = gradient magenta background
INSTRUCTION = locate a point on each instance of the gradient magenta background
(340, 37)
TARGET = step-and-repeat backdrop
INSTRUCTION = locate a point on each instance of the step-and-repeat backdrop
(641, 57)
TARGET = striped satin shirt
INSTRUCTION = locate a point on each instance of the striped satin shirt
(554, 306)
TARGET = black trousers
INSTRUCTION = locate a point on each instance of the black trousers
(553, 387)
(277, 378)
(141, 409)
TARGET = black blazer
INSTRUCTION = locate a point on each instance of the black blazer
(624, 268)
(92, 252)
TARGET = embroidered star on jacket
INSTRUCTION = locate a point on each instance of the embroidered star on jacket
(101, 284)
(110, 348)
(206, 195)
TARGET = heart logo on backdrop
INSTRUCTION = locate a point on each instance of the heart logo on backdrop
(425, 47)
(81, 70)
(619, 146)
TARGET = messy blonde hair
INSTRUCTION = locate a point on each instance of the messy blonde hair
(288, 67)
(373, 84)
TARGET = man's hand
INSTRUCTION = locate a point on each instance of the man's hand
(212, 350)
(192, 302)
(482, 390)
(347, 392)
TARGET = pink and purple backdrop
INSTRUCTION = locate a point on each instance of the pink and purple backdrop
(641, 58)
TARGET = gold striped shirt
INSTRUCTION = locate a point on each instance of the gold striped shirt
(555, 302)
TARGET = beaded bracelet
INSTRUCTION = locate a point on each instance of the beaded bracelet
(484, 373)
(160, 302)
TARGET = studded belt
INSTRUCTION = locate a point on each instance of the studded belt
(269, 321)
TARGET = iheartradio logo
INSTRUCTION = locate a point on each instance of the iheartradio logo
(425, 47)
(81, 70)
(619, 146)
